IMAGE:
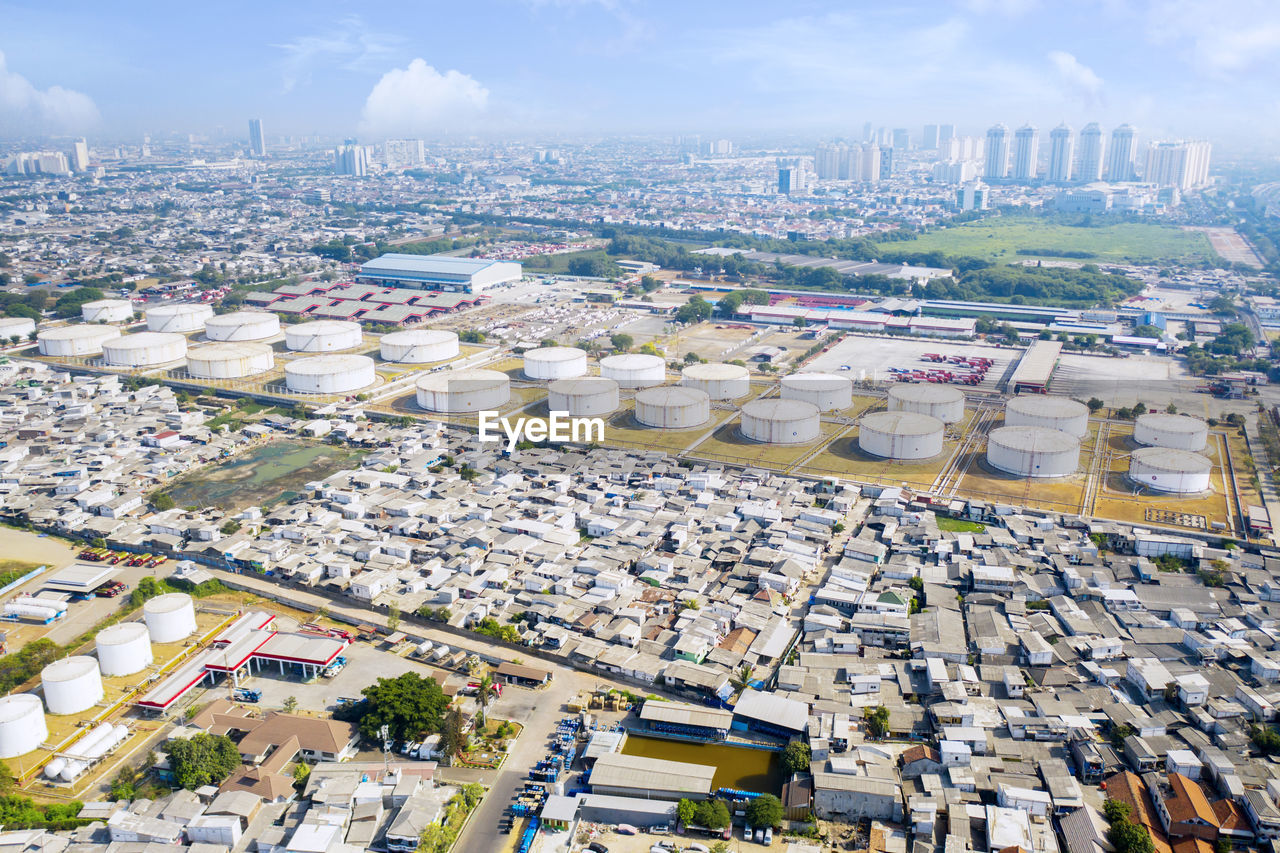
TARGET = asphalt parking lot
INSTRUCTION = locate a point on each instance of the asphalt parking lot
(870, 357)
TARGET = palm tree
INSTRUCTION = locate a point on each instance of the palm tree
(741, 679)
(484, 693)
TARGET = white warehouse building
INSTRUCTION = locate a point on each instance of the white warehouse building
(438, 272)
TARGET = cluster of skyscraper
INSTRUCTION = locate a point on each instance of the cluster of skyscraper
(50, 162)
(865, 161)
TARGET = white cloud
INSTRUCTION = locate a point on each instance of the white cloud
(1006, 8)
(351, 46)
(420, 101)
(1220, 37)
(1078, 78)
(24, 108)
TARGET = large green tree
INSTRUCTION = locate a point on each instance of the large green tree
(795, 757)
(410, 706)
(764, 810)
(202, 759)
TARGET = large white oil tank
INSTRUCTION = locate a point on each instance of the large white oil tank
(720, 381)
(672, 407)
(418, 346)
(330, 374)
(555, 363)
(19, 326)
(124, 649)
(1168, 470)
(71, 685)
(22, 726)
(1180, 432)
(145, 349)
(323, 336)
(242, 326)
(184, 317)
(827, 391)
(634, 369)
(1038, 410)
(170, 617)
(944, 402)
(70, 341)
(462, 391)
(584, 397)
(901, 435)
(781, 421)
(107, 311)
(1033, 451)
(231, 360)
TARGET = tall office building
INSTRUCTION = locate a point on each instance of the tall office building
(972, 196)
(830, 160)
(886, 163)
(257, 142)
(1026, 150)
(869, 169)
(1180, 164)
(946, 132)
(1062, 145)
(901, 138)
(866, 132)
(351, 159)
(929, 141)
(80, 155)
(1123, 151)
(791, 176)
(1090, 168)
(404, 153)
(997, 153)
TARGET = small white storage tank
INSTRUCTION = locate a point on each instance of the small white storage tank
(185, 317)
(672, 407)
(323, 336)
(22, 726)
(231, 360)
(781, 421)
(170, 617)
(242, 326)
(462, 391)
(145, 349)
(634, 370)
(71, 685)
(20, 326)
(901, 435)
(69, 341)
(418, 346)
(1180, 432)
(1168, 470)
(1038, 410)
(587, 396)
(827, 391)
(124, 649)
(555, 363)
(1033, 451)
(944, 402)
(720, 381)
(107, 311)
(330, 374)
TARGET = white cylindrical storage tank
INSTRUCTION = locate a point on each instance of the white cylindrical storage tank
(67, 341)
(1168, 470)
(242, 326)
(1037, 410)
(827, 391)
(944, 402)
(418, 346)
(781, 421)
(330, 374)
(1180, 432)
(170, 617)
(323, 336)
(634, 370)
(901, 435)
(1033, 451)
(555, 363)
(145, 349)
(107, 311)
(672, 407)
(20, 326)
(22, 726)
(186, 317)
(124, 649)
(230, 360)
(71, 685)
(720, 381)
(54, 768)
(462, 391)
(587, 396)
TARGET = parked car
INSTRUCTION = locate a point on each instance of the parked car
(597, 847)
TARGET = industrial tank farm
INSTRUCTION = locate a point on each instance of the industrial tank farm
(418, 346)
(182, 318)
(634, 370)
(1165, 469)
(22, 725)
(323, 336)
(781, 421)
(901, 435)
(1060, 413)
(22, 327)
(145, 349)
(555, 363)
(1029, 451)
(242, 326)
(672, 407)
(73, 341)
(940, 401)
(720, 381)
(124, 649)
(827, 391)
(71, 685)
(463, 391)
(330, 374)
(170, 617)
(107, 311)
(587, 396)
(230, 360)
(1180, 432)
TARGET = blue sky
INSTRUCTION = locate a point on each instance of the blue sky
(1171, 67)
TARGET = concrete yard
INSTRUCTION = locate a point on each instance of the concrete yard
(870, 357)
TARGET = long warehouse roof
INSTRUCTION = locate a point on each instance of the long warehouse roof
(1037, 364)
(681, 713)
(653, 774)
(394, 263)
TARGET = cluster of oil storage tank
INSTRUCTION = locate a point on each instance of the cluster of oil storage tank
(1040, 438)
(1170, 460)
(463, 391)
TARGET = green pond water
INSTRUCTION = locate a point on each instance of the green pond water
(262, 476)
(736, 766)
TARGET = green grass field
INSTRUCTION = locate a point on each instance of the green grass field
(959, 525)
(1124, 242)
